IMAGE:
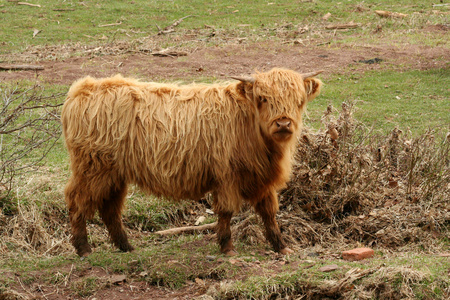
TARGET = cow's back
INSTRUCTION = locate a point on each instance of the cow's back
(170, 141)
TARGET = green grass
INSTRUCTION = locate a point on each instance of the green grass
(64, 22)
(418, 100)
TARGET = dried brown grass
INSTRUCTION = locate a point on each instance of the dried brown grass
(37, 225)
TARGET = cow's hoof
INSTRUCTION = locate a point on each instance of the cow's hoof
(286, 251)
(230, 253)
(84, 254)
(126, 248)
(84, 251)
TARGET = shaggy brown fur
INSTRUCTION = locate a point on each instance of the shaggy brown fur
(236, 141)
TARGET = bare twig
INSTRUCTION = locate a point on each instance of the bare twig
(342, 26)
(66, 280)
(171, 28)
(389, 14)
(29, 123)
(29, 4)
(112, 24)
(171, 53)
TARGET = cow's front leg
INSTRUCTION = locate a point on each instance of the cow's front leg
(224, 233)
(267, 208)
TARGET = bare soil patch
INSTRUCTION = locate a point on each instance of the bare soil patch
(221, 61)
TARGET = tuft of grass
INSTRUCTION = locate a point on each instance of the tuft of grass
(87, 286)
(149, 213)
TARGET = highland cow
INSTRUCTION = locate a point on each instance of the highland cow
(236, 141)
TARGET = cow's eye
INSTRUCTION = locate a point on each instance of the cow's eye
(263, 100)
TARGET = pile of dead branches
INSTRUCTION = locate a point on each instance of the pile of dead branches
(351, 183)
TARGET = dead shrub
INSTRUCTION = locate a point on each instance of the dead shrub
(352, 184)
(29, 128)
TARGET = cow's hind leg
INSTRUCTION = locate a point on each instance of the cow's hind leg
(267, 209)
(110, 210)
(77, 200)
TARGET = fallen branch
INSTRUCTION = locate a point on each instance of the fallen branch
(342, 26)
(171, 28)
(113, 24)
(20, 67)
(389, 14)
(171, 53)
(29, 4)
(186, 229)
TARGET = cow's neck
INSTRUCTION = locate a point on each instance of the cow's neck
(268, 169)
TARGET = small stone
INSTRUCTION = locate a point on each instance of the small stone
(143, 274)
(209, 212)
(357, 254)
(200, 220)
(328, 268)
(210, 257)
(118, 279)
(326, 16)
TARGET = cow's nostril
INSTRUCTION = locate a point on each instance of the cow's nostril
(283, 123)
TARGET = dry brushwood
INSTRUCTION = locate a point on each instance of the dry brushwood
(29, 124)
(351, 184)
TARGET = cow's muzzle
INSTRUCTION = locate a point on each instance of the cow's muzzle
(283, 124)
(283, 128)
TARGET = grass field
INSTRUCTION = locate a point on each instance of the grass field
(403, 211)
(64, 22)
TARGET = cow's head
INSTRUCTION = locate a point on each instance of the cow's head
(280, 97)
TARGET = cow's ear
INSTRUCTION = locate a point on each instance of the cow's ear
(312, 87)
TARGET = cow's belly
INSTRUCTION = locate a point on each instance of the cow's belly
(176, 185)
